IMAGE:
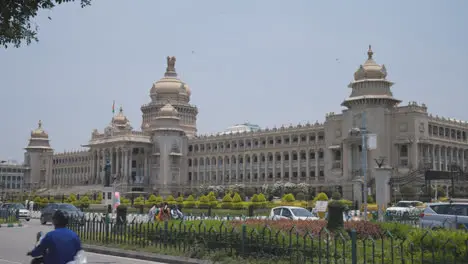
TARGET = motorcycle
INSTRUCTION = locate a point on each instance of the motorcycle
(80, 257)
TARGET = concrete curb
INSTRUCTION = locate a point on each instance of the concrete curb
(142, 255)
(11, 225)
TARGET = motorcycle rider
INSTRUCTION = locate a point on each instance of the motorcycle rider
(59, 246)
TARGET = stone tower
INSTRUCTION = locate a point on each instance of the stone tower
(370, 94)
(169, 155)
(170, 89)
(38, 159)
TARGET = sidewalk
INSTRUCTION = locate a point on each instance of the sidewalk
(142, 255)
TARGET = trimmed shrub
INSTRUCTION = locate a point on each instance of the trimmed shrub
(203, 202)
(321, 197)
(227, 202)
(236, 198)
(289, 198)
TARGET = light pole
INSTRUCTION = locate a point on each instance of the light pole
(364, 159)
(363, 133)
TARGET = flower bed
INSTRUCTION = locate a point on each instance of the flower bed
(363, 229)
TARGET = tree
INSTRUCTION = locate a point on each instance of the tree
(16, 26)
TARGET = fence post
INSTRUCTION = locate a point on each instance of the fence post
(107, 223)
(353, 247)
(243, 238)
(166, 232)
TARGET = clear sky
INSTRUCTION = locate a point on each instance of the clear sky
(268, 62)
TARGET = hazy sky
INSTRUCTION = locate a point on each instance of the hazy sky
(267, 62)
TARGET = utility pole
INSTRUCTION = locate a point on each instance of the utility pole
(364, 159)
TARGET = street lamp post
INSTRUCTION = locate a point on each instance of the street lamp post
(364, 160)
(363, 133)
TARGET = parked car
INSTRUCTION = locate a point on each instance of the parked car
(69, 209)
(291, 212)
(11, 208)
(405, 209)
(451, 215)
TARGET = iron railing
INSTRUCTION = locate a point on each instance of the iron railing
(200, 239)
(8, 216)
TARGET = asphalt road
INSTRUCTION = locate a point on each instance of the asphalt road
(16, 242)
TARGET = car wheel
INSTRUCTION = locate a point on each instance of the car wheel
(27, 219)
(43, 220)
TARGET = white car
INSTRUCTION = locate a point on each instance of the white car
(405, 209)
(291, 212)
(23, 212)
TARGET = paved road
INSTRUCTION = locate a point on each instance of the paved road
(15, 242)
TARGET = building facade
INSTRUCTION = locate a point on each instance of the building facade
(168, 155)
(11, 178)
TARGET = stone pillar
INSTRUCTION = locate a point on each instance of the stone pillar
(357, 191)
(382, 186)
(317, 165)
(103, 162)
(145, 169)
(433, 157)
(414, 155)
(117, 163)
(125, 165)
(130, 159)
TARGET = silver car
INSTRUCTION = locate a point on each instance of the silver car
(453, 215)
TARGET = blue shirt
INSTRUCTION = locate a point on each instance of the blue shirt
(58, 247)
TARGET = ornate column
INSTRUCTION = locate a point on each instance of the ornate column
(433, 156)
(111, 157)
(317, 165)
(308, 166)
(125, 164)
(117, 163)
(274, 165)
(145, 168)
(282, 166)
(91, 168)
(103, 164)
(130, 164)
(290, 171)
(463, 159)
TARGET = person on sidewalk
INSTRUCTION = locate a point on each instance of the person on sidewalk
(59, 246)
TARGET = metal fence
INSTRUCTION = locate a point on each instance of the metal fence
(216, 239)
(8, 216)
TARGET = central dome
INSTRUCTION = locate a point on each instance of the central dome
(370, 69)
(39, 131)
(170, 84)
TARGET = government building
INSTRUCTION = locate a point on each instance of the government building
(167, 155)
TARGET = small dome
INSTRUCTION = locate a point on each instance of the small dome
(370, 69)
(168, 110)
(39, 131)
(120, 118)
(170, 83)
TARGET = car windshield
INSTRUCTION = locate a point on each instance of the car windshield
(19, 206)
(301, 212)
(403, 204)
(67, 207)
(13, 206)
